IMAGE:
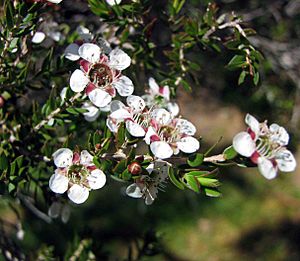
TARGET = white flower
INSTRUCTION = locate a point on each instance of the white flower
(92, 112)
(113, 2)
(136, 120)
(59, 209)
(75, 174)
(147, 186)
(160, 97)
(47, 28)
(54, 1)
(168, 136)
(265, 146)
(100, 75)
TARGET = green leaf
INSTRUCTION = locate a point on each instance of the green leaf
(195, 160)
(174, 180)
(126, 175)
(3, 162)
(212, 192)
(192, 182)
(11, 187)
(236, 62)
(242, 77)
(121, 135)
(208, 182)
(256, 78)
(120, 167)
(9, 14)
(229, 153)
(196, 173)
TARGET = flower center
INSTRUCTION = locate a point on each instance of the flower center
(77, 174)
(101, 75)
(265, 147)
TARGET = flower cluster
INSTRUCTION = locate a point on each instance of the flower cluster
(147, 186)
(75, 173)
(266, 147)
(165, 134)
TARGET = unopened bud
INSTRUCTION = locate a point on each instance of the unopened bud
(140, 158)
(134, 168)
(2, 101)
(98, 146)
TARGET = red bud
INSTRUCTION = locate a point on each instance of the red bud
(134, 168)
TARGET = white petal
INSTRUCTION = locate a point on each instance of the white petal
(151, 195)
(65, 213)
(124, 86)
(71, 52)
(252, 123)
(100, 98)
(58, 183)
(112, 124)
(63, 94)
(54, 1)
(285, 160)
(188, 144)
(54, 209)
(118, 59)
(78, 194)
(266, 168)
(116, 105)
(135, 129)
(63, 157)
(161, 149)
(279, 134)
(92, 113)
(162, 116)
(97, 179)
(185, 127)
(134, 191)
(84, 33)
(153, 86)
(86, 158)
(55, 36)
(148, 135)
(243, 144)
(136, 103)
(78, 81)
(113, 2)
(120, 114)
(38, 37)
(90, 52)
(173, 108)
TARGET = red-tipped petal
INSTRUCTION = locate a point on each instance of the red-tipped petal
(90, 87)
(84, 65)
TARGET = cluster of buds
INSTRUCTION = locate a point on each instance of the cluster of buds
(266, 147)
(76, 174)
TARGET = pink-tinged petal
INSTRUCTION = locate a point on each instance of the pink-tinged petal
(285, 160)
(54, 209)
(173, 108)
(161, 116)
(76, 158)
(165, 92)
(85, 65)
(58, 183)
(188, 144)
(120, 114)
(185, 127)
(111, 91)
(90, 87)
(92, 113)
(78, 81)
(279, 134)
(71, 52)
(266, 168)
(38, 37)
(135, 129)
(136, 103)
(243, 144)
(150, 168)
(97, 179)
(134, 191)
(78, 194)
(124, 86)
(90, 52)
(153, 86)
(118, 59)
(99, 98)
(63, 157)
(161, 149)
(86, 158)
(150, 132)
(254, 157)
(116, 105)
(253, 124)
